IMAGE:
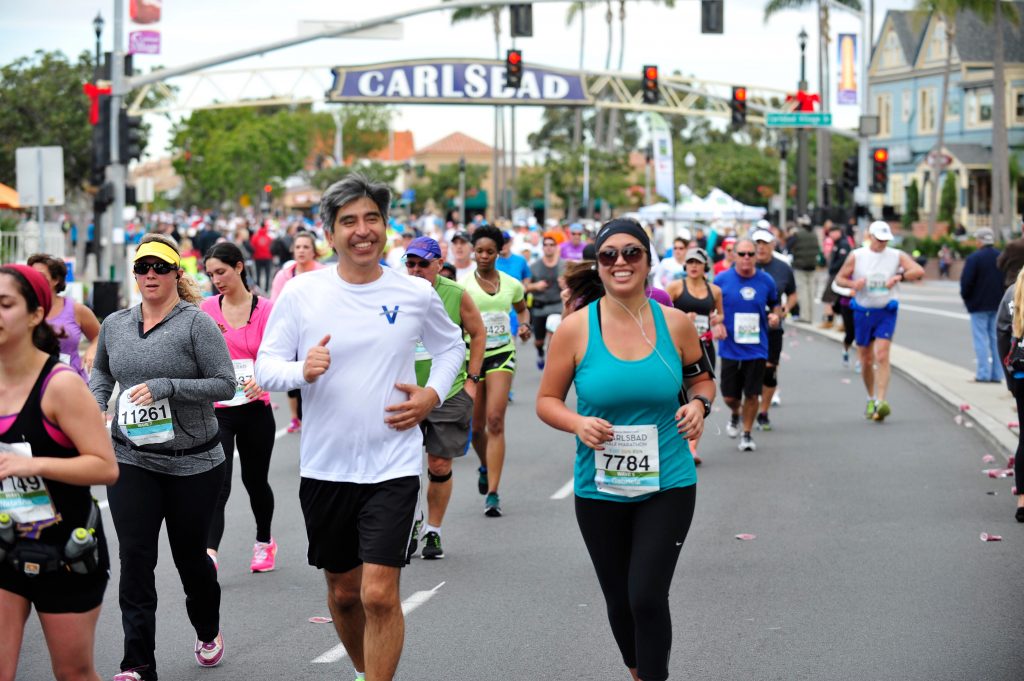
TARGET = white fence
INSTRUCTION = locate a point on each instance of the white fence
(18, 245)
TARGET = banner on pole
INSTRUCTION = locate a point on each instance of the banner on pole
(846, 92)
(145, 13)
(664, 169)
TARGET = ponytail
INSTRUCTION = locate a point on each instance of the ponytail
(188, 289)
(583, 282)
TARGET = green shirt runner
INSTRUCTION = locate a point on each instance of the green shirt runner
(494, 308)
(451, 296)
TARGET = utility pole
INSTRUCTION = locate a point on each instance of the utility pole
(783, 182)
(462, 192)
(861, 196)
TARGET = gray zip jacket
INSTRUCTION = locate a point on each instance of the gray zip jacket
(183, 358)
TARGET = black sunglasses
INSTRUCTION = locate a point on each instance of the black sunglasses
(421, 264)
(610, 256)
(158, 267)
(745, 254)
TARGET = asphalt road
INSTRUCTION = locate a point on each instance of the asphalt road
(867, 562)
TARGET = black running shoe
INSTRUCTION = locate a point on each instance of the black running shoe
(481, 483)
(432, 546)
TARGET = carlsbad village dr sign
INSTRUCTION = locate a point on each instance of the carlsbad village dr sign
(455, 81)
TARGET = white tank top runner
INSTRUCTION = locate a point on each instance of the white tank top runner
(876, 268)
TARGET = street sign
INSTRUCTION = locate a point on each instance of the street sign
(40, 172)
(938, 160)
(798, 119)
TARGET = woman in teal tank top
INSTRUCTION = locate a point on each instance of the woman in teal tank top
(635, 480)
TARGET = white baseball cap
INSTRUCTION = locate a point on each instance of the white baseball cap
(880, 230)
(763, 224)
(762, 235)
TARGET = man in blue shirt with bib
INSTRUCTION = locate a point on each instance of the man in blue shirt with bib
(747, 295)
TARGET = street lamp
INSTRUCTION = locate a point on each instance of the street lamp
(690, 162)
(801, 134)
(97, 27)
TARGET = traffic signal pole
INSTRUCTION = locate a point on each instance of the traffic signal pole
(861, 196)
(113, 237)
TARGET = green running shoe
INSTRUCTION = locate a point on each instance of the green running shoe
(492, 505)
(869, 412)
(882, 410)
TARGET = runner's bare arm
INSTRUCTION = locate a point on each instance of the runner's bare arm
(843, 277)
(912, 271)
(473, 325)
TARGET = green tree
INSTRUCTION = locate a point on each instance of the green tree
(910, 214)
(442, 185)
(42, 104)
(947, 11)
(947, 204)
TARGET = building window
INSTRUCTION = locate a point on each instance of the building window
(906, 105)
(892, 53)
(937, 44)
(926, 108)
(952, 106)
(1017, 103)
(883, 105)
(979, 107)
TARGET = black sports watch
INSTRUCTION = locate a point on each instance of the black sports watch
(474, 377)
(707, 404)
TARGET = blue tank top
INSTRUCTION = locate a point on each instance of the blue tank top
(624, 393)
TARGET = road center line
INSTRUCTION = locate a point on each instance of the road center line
(563, 491)
(932, 310)
(408, 605)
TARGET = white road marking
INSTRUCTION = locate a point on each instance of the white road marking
(408, 605)
(932, 310)
(563, 491)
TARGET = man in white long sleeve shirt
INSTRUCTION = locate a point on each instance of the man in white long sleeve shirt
(346, 336)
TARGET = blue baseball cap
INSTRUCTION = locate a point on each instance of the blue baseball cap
(424, 247)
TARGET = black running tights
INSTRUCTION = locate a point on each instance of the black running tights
(846, 312)
(1018, 464)
(634, 547)
(252, 425)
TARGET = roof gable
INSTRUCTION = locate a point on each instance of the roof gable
(455, 143)
(932, 50)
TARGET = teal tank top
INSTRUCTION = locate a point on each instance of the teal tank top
(624, 393)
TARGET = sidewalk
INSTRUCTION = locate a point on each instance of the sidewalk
(987, 406)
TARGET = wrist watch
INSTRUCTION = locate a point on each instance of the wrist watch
(707, 404)
(473, 377)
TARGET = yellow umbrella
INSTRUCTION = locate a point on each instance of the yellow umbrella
(8, 197)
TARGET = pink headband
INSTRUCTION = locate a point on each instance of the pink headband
(44, 294)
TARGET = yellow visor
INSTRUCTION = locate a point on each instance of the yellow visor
(158, 250)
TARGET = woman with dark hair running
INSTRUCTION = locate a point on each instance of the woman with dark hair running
(495, 294)
(70, 320)
(171, 364)
(53, 446)
(304, 252)
(635, 480)
(247, 417)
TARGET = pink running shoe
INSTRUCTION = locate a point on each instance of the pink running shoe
(210, 654)
(295, 426)
(128, 676)
(263, 555)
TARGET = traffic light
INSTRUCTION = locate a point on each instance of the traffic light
(738, 106)
(104, 197)
(513, 69)
(879, 170)
(133, 138)
(521, 20)
(100, 143)
(711, 16)
(850, 173)
(650, 89)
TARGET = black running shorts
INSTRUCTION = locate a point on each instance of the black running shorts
(740, 378)
(349, 523)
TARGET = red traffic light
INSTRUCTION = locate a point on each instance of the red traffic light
(739, 94)
(515, 57)
(651, 73)
(268, 188)
(881, 155)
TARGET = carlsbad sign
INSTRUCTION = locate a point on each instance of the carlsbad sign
(455, 81)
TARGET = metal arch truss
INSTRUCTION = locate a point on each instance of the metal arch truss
(297, 85)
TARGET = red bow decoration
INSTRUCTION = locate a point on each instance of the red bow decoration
(805, 101)
(93, 93)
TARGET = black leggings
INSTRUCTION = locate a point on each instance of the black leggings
(253, 426)
(140, 502)
(847, 314)
(1018, 467)
(634, 547)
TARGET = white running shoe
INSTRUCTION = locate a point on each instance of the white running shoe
(732, 428)
(775, 399)
(747, 444)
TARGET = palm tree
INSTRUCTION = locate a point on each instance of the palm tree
(613, 123)
(494, 12)
(576, 9)
(946, 11)
(1002, 197)
(824, 138)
